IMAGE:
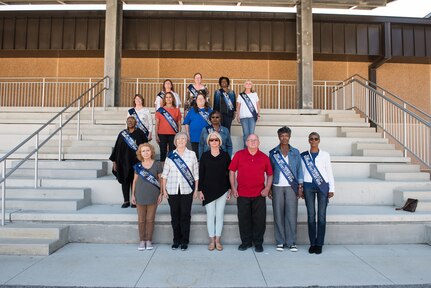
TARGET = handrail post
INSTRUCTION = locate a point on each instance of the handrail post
(60, 139)
(185, 91)
(36, 162)
(384, 115)
(279, 94)
(137, 86)
(78, 126)
(351, 95)
(3, 194)
(344, 96)
(43, 92)
(325, 95)
(89, 87)
(367, 102)
(405, 129)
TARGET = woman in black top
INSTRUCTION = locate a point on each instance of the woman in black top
(214, 187)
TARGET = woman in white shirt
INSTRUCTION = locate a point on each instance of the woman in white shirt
(144, 115)
(168, 86)
(248, 109)
(321, 160)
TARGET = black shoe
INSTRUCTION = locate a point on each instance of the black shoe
(318, 250)
(133, 206)
(312, 249)
(244, 247)
(175, 246)
(125, 205)
(184, 247)
(258, 248)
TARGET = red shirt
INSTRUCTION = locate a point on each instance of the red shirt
(164, 126)
(251, 172)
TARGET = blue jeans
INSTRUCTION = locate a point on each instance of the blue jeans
(316, 233)
(248, 125)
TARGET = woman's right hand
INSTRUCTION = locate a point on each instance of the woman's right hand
(201, 196)
(114, 166)
(157, 139)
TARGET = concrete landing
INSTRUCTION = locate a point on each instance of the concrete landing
(121, 265)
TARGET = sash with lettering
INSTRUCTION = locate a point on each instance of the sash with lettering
(183, 168)
(193, 90)
(139, 123)
(315, 174)
(250, 105)
(284, 168)
(210, 129)
(161, 94)
(146, 175)
(168, 118)
(129, 140)
(227, 100)
(205, 115)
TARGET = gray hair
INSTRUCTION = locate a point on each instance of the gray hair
(180, 135)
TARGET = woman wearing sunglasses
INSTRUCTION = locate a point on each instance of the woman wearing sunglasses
(318, 182)
(214, 187)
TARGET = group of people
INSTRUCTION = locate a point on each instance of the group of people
(209, 173)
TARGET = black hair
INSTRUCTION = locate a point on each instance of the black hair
(284, 129)
(225, 78)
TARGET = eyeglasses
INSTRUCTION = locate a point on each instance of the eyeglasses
(252, 140)
(313, 139)
(214, 139)
(215, 117)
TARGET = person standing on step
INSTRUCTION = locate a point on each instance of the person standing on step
(214, 187)
(226, 143)
(318, 183)
(251, 166)
(193, 91)
(180, 185)
(123, 157)
(286, 190)
(168, 123)
(142, 115)
(225, 102)
(146, 193)
(168, 86)
(248, 110)
(197, 119)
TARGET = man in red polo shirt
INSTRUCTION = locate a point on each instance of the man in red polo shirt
(251, 166)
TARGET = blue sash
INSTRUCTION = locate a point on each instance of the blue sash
(210, 129)
(227, 100)
(168, 118)
(284, 168)
(193, 90)
(161, 94)
(205, 115)
(139, 123)
(129, 140)
(250, 105)
(315, 174)
(183, 168)
(146, 175)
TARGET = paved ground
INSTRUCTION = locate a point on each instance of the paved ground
(121, 265)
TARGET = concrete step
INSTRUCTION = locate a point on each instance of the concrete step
(372, 146)
(18, 239)
(60, 173)
(422, 193)
(397, 168)
(38, 204)
(377, 152)
(359, 134)
(357, 129)
(100, 165)
(402, 176)
(49, 193)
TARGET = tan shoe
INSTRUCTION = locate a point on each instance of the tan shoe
(219, 247)
(211, 246)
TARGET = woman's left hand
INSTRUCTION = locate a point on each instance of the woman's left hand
(330, 194)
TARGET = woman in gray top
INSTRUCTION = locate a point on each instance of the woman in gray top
(146, 193)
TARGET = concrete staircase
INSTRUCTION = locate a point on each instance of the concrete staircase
(372, 177)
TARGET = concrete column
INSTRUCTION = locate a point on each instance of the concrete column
(304, 40)
(113, 40)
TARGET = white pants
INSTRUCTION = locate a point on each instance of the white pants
(215, 214)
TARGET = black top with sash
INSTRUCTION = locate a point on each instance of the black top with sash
(230, 106)
(183, 168)
(250, 105)
(284, 167)
(315, 173)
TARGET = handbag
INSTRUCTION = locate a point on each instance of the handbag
(410, 205)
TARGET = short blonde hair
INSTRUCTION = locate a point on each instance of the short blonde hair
(138, 152)
(216, 134)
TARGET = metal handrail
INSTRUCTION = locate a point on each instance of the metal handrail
(403, 115)
(77, 101)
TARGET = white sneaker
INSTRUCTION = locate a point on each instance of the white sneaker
(149, 245)
(141, 246)
(293, 248)
(280, 247)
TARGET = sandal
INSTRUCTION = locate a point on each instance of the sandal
(219, 247)
(211, 246)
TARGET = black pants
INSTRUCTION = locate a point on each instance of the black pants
(195, 148)
(251, 219)
(127, 186)
(181, 208)
(165, 140)
(226, 121)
